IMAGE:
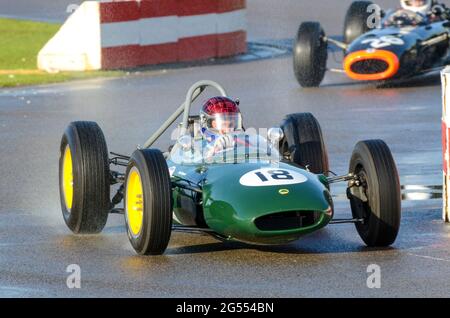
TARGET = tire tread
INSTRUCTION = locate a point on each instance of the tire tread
(303, 132)
(91, 201)
(380, 166)
(310, 54)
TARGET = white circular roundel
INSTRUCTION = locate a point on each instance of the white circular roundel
(271, 177)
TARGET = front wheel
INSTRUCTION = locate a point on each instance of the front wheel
(376, 197)
(303, 143)
(148, 202)
(310, 54)
(84, 177)
(357, 20)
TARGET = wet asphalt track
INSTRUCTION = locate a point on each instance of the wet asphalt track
(36, 247)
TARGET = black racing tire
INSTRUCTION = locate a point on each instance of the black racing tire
(378, 199)
(310, 54)
(148, 190)
(84, 183)
(303, 142)
(356, 20)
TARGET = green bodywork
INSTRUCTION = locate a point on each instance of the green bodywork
(230, 208)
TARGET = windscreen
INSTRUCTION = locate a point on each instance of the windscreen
(229, 148)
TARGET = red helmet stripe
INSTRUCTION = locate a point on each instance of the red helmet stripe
(219, 105)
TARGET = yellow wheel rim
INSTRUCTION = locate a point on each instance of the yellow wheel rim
(135, 202)
(68, 178)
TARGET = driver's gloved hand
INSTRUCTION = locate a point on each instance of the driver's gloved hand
(221, 143)
(437, 10)
(441, 10)
(224, 142)
(446, 14)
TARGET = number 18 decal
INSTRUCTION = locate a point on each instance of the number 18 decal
(271, 177)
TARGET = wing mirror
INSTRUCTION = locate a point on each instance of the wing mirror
(186, 142)
(275, 134)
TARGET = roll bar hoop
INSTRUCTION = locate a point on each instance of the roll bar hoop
(193, 93)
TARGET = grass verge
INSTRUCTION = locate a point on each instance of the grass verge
(21, 42)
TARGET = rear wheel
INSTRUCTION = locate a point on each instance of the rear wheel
(303, 143)
(376, 199)
(84, 177)
(148, 202)
(357, 20)
(310, 54)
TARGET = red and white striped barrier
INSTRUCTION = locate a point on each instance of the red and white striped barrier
(120, 34)
(446, 142)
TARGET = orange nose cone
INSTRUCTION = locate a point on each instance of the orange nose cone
(371, 65)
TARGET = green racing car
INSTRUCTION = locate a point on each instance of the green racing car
(259, 188)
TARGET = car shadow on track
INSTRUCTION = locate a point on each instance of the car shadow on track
(419, 229)
(427, 80)
(431, 79)
(322, 242)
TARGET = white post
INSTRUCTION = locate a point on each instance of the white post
(445, 75)
(76, 46)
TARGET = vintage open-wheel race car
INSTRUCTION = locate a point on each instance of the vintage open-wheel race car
(401, 45)
(264, 190)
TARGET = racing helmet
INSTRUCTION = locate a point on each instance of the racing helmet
(418, 6)
(221, 115)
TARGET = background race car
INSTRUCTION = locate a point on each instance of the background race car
(377, 45)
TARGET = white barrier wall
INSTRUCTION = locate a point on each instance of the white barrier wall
(126, 33)
(446, 142)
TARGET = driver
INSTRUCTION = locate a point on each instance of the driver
(429, 8)
(418, 6)
(219, 117)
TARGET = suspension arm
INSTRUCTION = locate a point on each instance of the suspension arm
(344, 178)
(339, 44)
